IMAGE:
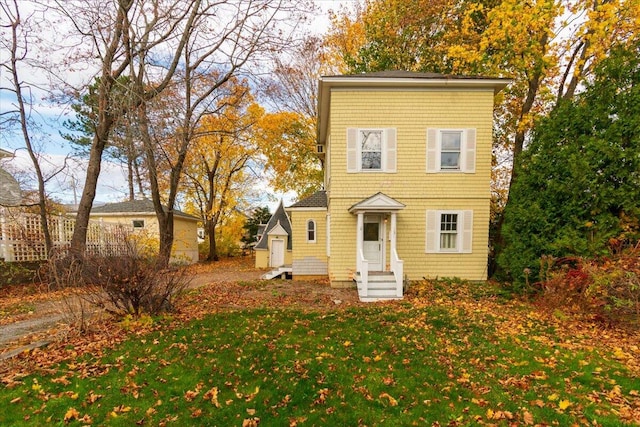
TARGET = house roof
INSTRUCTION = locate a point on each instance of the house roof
(402, 74)
(316, 200)
(132, 207)
(10, 194)
(396, 80)
(281, 218)
(5, 153)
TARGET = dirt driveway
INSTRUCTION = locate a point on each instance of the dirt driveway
(31, 316)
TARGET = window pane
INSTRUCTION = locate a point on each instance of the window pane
(450, 145)
(372, 140)
(371, 231)
(451, 141)
(371, 160)
(311, 231)
(448, 231)
(447, 241)
(371, 149)
(449, 160)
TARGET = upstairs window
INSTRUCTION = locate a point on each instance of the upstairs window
(311, 231)
(451, 150)
(371, 150)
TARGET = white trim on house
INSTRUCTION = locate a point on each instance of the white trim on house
(315, 230)
(379, 202)
(277, 230)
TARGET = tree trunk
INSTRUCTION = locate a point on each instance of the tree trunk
(17, 86)
(534, 85)
(213, 249)
(132, 194)
(103, 129)
(79, 238)
(166, 238)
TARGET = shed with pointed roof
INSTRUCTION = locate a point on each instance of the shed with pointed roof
(275, 245)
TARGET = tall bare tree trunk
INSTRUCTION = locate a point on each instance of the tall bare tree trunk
(105, 122)
(22, 111)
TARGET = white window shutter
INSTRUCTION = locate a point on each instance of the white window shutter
(433, 222)
(470, 151)
(352, 150)
(467, 231)
(392, 151)
(432, 150)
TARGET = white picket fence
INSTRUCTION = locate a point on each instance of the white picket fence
(22, 239)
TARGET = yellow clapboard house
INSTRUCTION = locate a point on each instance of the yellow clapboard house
(407, 160)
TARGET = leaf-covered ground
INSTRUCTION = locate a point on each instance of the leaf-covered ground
(286, 353)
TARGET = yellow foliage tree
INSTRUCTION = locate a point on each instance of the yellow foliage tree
(216, 166)
(547, 46)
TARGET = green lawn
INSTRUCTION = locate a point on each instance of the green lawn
(434, 359)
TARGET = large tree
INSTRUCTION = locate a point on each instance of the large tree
(159, 44)
(124, 145)
(18, 42)
(579, 179)
(114, 37)
(293, 89)
(216, 164)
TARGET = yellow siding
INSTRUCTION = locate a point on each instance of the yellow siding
(185, 243)
(302, 248)
(411, 241)
(411, 113)
(262, 258)
(309, 258)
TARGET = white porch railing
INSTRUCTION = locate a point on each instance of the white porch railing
(363, 269)
(397, 267)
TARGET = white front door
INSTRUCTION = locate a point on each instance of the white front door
(373, 242)
(277, 253)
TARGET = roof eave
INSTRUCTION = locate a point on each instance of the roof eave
(327, 83)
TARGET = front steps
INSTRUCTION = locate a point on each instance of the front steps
(280, 272)
(381, 287)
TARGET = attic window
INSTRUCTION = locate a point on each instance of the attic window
(138, 224)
